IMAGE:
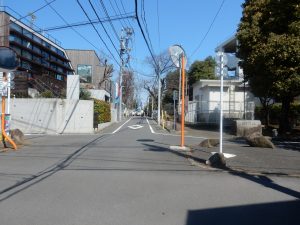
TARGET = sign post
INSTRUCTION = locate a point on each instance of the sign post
(8, 62)
(178, 57)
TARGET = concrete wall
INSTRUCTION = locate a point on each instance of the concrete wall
(73, 89)
(99, 94)
(52, 116)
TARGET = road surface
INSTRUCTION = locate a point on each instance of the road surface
(128, 176)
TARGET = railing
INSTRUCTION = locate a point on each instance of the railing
(208, 112)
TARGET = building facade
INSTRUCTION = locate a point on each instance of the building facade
(44, 65)
(94, 75)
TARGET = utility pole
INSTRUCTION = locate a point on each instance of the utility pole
(159, 90)
(124, 55)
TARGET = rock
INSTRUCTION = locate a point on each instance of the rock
(209, 143)
(259, 141)
(216, 160)
(17, 136)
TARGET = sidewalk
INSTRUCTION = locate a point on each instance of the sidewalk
(280, 161)
(254, 160)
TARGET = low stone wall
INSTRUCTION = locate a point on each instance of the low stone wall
(246, 128)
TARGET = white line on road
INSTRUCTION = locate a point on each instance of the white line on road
(152, 131)
(121, 126)
(174, 135)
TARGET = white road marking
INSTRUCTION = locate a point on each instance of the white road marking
(134, 127)
(151, 129)
(121, 126)
(226, 155)
(174, 135)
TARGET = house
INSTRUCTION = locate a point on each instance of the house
(238, 101)
(93, 74)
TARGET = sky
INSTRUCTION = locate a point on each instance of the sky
(194, 24)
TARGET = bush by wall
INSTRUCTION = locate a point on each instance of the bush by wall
(101, 112)
(275, 113)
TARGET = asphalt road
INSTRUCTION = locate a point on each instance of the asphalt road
(128, 176)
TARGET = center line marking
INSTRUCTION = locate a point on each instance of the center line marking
(121, 126)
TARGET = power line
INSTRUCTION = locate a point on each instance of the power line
(97, 32)
(78, 33)
(142, 31)
(91, 4)
(84, 23)
(48, 4)
(125, 12)
(120, 12)
(209, 28)
(143, 15)
(106, 13)
(158, 27)
(115, 12)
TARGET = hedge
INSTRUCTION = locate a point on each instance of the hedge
(101, 111)
(275, 112)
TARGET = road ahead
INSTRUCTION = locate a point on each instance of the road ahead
(128, 176)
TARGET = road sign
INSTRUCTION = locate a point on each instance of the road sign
(176, 52)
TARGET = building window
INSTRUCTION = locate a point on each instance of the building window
(15, 39)
(15, 27)
(26, 54)
(36, 49)
(37, 39)
(25, 65)
(17, 49)
(36, 59)
(27, 33)
(85, 73)
(45, 62)
(59, 77)
(27, 44)
(45, 55)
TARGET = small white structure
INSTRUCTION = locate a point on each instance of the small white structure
(237, 101)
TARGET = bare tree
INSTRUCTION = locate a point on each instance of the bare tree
(107, 74)
(161, 64)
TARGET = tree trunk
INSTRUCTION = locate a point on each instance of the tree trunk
(284, 125)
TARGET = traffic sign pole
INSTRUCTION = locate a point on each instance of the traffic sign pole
(182, 100)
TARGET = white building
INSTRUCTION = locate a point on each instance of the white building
(238, 101)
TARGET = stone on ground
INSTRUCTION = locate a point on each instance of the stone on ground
(259, 141)
(209, 143)
(17, 136)
(216, 160)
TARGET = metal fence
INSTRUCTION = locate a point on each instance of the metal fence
(208, 112)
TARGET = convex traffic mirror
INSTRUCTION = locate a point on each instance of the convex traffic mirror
(8, 59)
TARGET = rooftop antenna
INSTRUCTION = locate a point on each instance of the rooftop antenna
(32, 19)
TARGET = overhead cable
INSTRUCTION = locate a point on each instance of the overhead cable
(142, 31)
(209, 28)
(91, 4)
(98, 33)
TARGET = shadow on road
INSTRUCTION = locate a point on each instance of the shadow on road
(277, 213)
(259, 179)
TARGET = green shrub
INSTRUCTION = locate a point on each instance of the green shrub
(84, 94)
(47, 94)
(275, 113)
(101, 111)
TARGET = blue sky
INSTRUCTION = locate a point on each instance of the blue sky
(180, 22)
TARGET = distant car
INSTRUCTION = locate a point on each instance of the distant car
(133, 113)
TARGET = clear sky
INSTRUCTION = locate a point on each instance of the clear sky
(168, 21)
